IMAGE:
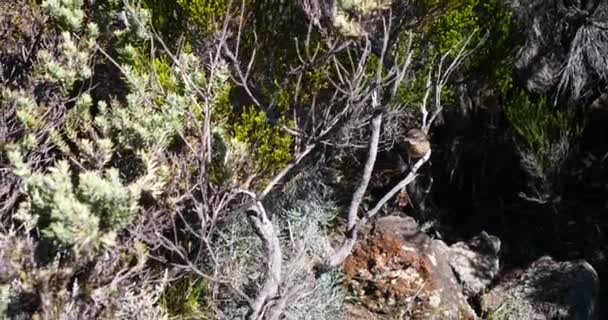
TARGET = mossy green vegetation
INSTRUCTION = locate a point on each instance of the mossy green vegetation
(171, 17)
(446, 29)
(184, 299)
(206, 14)
(270, 145)
(455, 21)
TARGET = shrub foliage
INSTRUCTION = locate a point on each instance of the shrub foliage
(172, 159)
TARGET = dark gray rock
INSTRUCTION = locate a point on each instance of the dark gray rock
(476, 262)
(547, 290)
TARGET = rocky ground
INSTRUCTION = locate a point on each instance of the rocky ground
(399, 272)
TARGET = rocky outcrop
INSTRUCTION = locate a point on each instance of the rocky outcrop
(546, 290)
(475, 262)
(397, 271)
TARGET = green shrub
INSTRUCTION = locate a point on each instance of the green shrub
(538, 125)
(182, 299)
(61, 69)
(73, 62)
(83, 216)
(171, 17)
(451, 23)
(496, 57)
(271, 147)
(166, 95)
(206, 14)
(454, 22)
(68, 13)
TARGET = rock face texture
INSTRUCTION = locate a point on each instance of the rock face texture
(403, 273)
(398, 272)
(547, 290)
(475, 262)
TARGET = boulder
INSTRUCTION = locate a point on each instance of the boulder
(396, 271)
(547, 289)
(476, 262)
(400, 271)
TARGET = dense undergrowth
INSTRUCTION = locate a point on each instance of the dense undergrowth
(133, 133)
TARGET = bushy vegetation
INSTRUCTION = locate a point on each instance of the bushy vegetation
(538, 125)
(82, 218)
(191, 159)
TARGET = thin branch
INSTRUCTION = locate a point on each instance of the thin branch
(367, 172)
(352, 224)
(398, 187)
